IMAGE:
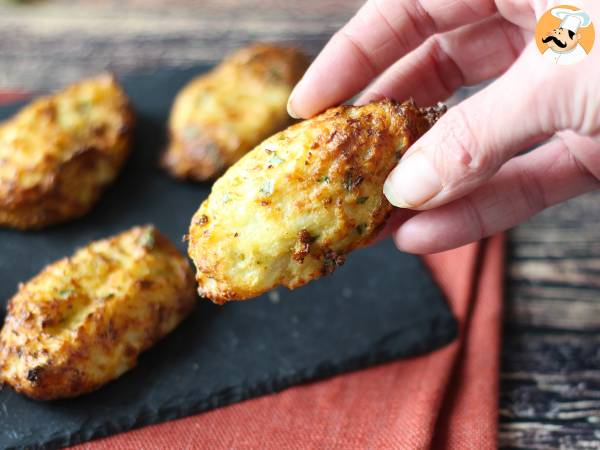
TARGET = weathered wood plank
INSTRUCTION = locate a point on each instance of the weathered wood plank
(550, 382)
(52, 43)
(547, 436)
(550, 394)
(557, 314)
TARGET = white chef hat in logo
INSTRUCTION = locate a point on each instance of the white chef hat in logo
(571, 20)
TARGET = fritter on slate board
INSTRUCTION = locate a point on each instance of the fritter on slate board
(84, 320)
(293, 208)
(220, 116)
(59, 153)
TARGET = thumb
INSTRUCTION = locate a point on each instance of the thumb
(475, 138)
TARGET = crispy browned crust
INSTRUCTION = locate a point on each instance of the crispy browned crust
(248, 93)
(75, 166)
(84, 320)
(295, 206)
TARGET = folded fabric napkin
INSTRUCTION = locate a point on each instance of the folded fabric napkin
(445, 399)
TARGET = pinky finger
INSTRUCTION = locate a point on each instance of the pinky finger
(522, 187)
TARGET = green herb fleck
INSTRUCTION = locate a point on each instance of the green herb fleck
(226, 198)
(350, 181)
(275, 158)
(147, 239)
(401, 149)
(361, 200)
(275, 74)
(323, 179)
(65, 293)
(190, 133)
(85, 106)
(360, 229)
(267, 188)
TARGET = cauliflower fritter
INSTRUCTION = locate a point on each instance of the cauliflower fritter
(59, 153)
(84, 320)
(293, 208)
(220, 116)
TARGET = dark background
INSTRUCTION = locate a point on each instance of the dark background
(550, 381)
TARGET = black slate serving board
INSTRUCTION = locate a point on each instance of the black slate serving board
(381, 305)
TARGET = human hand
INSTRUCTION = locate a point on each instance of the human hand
(465, 179)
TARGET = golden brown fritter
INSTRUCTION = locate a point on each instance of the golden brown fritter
(220, 116)
(84, 320)
(59, 153)
(293, 208)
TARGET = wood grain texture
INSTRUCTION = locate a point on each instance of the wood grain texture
(46, 44)
(550, 380)
(550, 393)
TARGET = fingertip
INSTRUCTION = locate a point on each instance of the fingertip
(302, 103)
(290, 106)
(397, 217)
(406, 240)
(413, 183)
(325, 84)
(431, 232)
(369, 97)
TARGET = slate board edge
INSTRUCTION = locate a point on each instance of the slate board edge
(448, 330)
(444, 330)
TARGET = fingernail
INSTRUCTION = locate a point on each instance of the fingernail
(413, 182)
(290, 109)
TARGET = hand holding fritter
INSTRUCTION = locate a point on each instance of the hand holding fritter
(295, 206)
(473, 174)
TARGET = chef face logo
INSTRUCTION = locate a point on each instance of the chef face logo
(561, 40)
(565, 35)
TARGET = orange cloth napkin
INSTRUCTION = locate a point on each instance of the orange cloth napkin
(444, 399)
(11, 96)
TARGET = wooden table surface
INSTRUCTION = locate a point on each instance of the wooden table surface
(550, 380)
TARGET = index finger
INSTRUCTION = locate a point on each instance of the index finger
(380, 33)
